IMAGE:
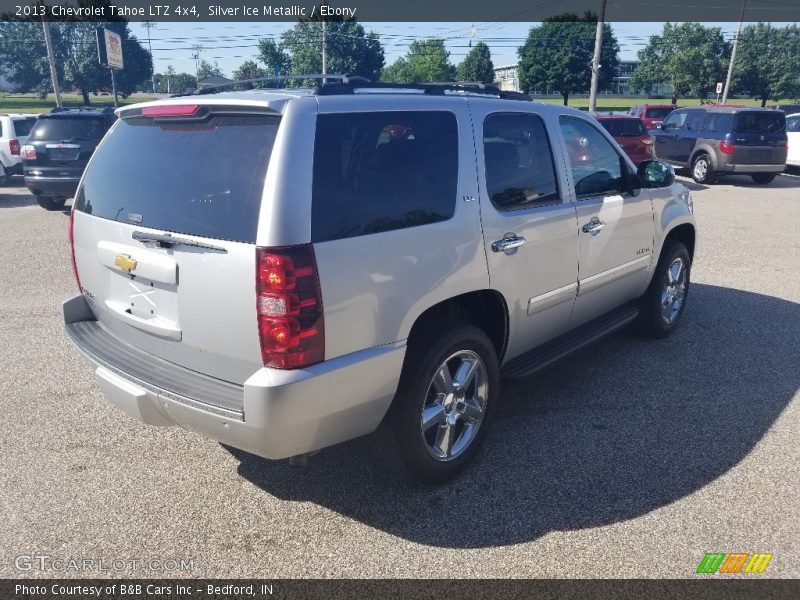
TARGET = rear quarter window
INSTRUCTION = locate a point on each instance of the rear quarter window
(380, 171)
(201, 178)
(22, 127)
(761, 122)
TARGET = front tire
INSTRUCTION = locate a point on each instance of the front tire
(444, 404)
(48, 203)
(702, 169)
(663, 303)
(763, 178)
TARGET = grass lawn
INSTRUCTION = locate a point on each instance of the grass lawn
(29, 103)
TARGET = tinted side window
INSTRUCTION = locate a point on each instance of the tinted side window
(380, 171)
(676, 120)
(718, 122)
(22, 127)
(519, 163)
(694, 120)
(596, 166)
(793, 124)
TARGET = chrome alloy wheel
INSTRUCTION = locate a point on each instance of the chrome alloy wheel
(674, 291)
(455, 404)
(700, 168)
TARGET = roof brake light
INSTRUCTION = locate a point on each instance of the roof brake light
(171, 110)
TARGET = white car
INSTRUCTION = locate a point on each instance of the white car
(14, 130)
(793, 137)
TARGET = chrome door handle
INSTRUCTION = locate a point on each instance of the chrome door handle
(594, 226)
(508, 243)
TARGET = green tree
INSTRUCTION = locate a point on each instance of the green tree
(206, 70)
(426, 61)
(24, 56)
(350, 50)
(690, 57)
(249, 69)
(171, 82)
(274, 58)
(557, 55)
(477, 65)
(767, 62)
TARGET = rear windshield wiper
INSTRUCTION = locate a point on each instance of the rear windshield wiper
(166, 240)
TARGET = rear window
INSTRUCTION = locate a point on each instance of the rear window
(380, 171)
(624, 127)
(768, 121)
(22, 127)
(66, 129)
(201, 178)
(658, 112)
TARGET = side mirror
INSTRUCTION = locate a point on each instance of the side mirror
(655, 174)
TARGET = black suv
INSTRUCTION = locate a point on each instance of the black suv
(718, 140)
(59, 146)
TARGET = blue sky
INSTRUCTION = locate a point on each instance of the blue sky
(230, 44)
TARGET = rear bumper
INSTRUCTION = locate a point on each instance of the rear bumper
(275, 414)
(52, 186)
(756, 168)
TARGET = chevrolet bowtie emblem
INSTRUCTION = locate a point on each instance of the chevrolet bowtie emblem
(125, 262)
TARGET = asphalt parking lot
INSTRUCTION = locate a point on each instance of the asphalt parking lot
(632, 458)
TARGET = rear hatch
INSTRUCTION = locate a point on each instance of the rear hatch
(632, 136)
(165, 225)
(64, 143)
(759, 137)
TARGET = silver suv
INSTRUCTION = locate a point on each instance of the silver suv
(285, 270)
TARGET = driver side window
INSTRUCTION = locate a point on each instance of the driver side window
(675, 121)
(596, 166)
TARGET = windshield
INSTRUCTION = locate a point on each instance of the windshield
(624, 127)
(201, 178)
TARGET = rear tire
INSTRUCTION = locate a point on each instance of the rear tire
(436, 423)
(763, 178)
(48, 203)
(663, 303)
(702, 169)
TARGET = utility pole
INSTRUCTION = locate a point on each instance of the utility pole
(324, 53)
(150, 25)
(197, 51)
(52, 60)
(598, 45)
(733, 55)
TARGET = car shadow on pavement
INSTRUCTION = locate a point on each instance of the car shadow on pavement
(15, 200)
(609, 434)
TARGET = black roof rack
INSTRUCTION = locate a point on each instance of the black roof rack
(62, 109)
(350, 85)
(213, 89)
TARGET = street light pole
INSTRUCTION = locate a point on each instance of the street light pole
(733, 55)
(598, 45)
(51, 59)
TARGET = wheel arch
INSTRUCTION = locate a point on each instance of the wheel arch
(684, 233)
(486, 309)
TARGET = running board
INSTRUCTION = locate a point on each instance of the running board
(548, 353)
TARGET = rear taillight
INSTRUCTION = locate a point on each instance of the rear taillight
(289, 307)
(726, 147)
(28, 152)
(72, 247)
(647, 141)
(13, 147)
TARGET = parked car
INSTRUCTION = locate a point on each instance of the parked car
(631, 134)
(282, 298)
(14, 130)
(713, 141)
(652, 114)
(793, 140)
(60, 144)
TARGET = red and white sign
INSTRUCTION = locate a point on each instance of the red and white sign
(112, 57)
(719, 87)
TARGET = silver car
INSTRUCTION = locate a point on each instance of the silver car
(285, 270)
